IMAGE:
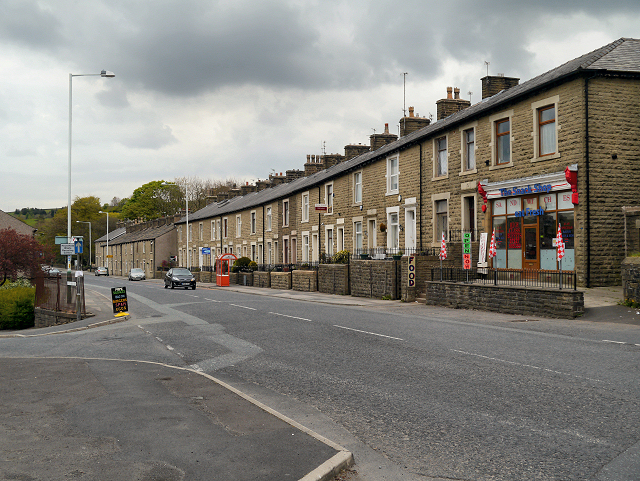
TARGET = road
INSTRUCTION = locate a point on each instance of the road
(414, 392)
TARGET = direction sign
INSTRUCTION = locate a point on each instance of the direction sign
(67, 249)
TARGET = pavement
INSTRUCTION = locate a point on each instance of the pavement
(94, 419)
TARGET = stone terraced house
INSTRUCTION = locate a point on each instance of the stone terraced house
(561, 150)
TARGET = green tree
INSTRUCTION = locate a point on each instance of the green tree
(150, 201)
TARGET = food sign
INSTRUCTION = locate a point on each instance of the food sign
(119, 300)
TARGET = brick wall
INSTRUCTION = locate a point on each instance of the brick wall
(304, 280)
(334, 279)
(375, 279)
(564, 304)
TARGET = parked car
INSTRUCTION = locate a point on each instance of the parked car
(179, 277)
(102, 271)
(54, 272)
(136, 274)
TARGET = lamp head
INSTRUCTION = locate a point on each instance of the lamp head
(106, 73)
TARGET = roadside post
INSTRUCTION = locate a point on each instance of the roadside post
(79, 278)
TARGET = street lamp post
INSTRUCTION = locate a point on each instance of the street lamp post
(106, 74)
(186, 197)
(87, 222)
(106, 258)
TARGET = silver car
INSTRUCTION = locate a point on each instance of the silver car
(137, 275)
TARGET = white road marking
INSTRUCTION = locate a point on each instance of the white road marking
(212, 300)
(524, 365)
(169, 347)
(371, 333)
(614, 342)
(291, 317)
(243, 307)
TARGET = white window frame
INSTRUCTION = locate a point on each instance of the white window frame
(305, 246)
(340, 238)
(494, 120)
(328, 197)
(269, 218)
(238, 225)
(225, 227)
(200, 231)
(472, 223)
(391, 175)
(463, 148)
(329, 240)
(393, 230)
(304, 201)
(535, 108)
(357, 187)
(254, 223)
(357, 233)
(436, 157)
(213, 230)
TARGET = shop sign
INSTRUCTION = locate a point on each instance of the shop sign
(206, 251)
(466, 250)
(412, 271)
(530, 212)
(119, 300)
(536, 189)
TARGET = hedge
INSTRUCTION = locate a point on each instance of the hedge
(17, 307)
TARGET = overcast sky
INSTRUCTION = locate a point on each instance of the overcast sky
(244, 88)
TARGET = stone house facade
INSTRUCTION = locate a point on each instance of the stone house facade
(561, 150)
(143, 245)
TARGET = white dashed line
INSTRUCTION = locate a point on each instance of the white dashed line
(370, 333)
(613, 342)
(504, 361)
(170, 348)
(291, 317)
(243, 307)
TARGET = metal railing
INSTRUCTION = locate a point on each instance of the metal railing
(510, 277)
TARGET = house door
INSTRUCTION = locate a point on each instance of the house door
(530, 236)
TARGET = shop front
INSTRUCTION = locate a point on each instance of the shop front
(525, 215)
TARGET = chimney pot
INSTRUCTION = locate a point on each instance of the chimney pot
(410, 111)
(449, 90)
(456, 92)
(386, 128)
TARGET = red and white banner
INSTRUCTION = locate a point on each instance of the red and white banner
(559, 243)
(492, 247)
(443, 249)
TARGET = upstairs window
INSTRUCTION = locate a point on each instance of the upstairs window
(503, 141)
(269, 218)
(285, 213)
(253, 222)
(328, 190)
(357, 188)
(305, 207)
(392, 175)
(469, 149)
(547, 130)
(441, 160)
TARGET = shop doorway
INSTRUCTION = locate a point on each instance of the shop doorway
(530, 236)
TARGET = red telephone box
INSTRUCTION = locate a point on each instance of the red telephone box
(223, 267)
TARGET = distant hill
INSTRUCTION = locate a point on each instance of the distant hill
(31, 216)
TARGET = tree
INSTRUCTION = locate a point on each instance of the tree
(20, 255)
(146, 201)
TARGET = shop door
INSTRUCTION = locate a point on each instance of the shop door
(530, 236)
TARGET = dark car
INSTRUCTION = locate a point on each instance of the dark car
(179, 277)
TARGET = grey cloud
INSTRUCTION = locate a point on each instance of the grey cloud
(151, 139)
(115, 96)
(26, 22)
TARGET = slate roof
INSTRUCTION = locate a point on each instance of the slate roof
(621, 56)
(150, 233)
(112, 235)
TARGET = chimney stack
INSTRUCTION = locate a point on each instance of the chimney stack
(491, 85)
(451, 105)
